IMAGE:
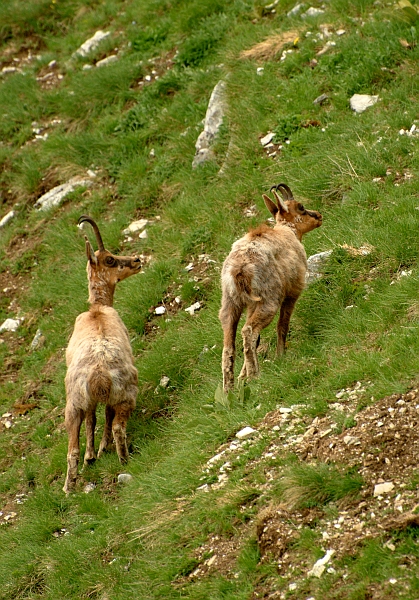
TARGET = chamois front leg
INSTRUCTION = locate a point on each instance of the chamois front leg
(73, 420)
(284, 323)
(90, 455)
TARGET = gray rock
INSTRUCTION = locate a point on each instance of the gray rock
(314, 265)
(294, 11)
(321, 99)
(10, 325)
(124, 478)
(360, 102)
(56, 196)
(312, 12)
(107, 61)
(92, 43)
(246, 433)
(38, 340)
(213, 119)
(7, 217)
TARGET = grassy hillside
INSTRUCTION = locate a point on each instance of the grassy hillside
(333, 419)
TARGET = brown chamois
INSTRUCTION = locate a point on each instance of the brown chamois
(264, 272)
(100, 364)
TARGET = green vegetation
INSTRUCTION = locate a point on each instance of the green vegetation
(134, 123)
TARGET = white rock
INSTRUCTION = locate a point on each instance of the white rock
(56, 196)
(107, 61)
(260, 70)
(383, 488)
(212, 123)
(215, 458)
(350, 440)
(7, 70)
(143, 235)
(284, 410)
(294, 11)
(164, 381)
(135, 226)
(245, 433)
(7, 217)
(92, 43)
(124, 478)
(10, 324)
(312, 12)
(89, 488)
(8, 424)
(360, 102)
(37, 340)
(160, 310)
(267, 138)
(320, 565)
(191, 309)
(314, 265)
(189, 267)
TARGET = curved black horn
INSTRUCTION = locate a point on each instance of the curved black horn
(288, 195)
(86, 219)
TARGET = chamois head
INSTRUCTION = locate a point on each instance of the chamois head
(104, 269)
(292, 212)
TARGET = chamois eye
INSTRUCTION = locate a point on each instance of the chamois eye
(301, 207)
(110, 261)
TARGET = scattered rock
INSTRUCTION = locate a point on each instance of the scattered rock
(314, 265)
(124, 478)
(160, 310)
(267, 138)
(413, 131)
(320, 565)
(135, 226)
(213, 120)
(383, 488)
(312, 12)
(297, 9)
(10, 324)
(38, 340)
(92, 43)
(246, 433)
(191, 309)
(164, 381)
(7, 217)
(56, 196)
(360, 102)
(89, 488)
(107, 61)
(321, 99)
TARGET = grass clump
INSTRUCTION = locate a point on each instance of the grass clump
(307, 486)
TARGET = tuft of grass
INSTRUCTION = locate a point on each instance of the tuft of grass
(307, 486)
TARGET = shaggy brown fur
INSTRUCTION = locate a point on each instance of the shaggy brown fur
(100, 364)
(264, 273)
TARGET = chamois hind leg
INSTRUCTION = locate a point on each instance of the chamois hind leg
(122, 413)
(90, 455)
(284, 323)
(229, 317)
(73, 420)
(257, 319)
(107, 432)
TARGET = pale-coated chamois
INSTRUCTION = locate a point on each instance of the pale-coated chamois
(264, 272)
(100, 363)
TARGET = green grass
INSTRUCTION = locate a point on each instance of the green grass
(141, 540)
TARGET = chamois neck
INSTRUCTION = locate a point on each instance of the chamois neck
(101, 293)
(293, 228)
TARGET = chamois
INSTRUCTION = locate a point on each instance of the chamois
(100, 363)
(264, 272)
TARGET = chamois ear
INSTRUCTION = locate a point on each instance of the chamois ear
(273, 209)
(91, 256)
(281, 204)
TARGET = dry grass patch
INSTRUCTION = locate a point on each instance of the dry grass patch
(272, 46)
